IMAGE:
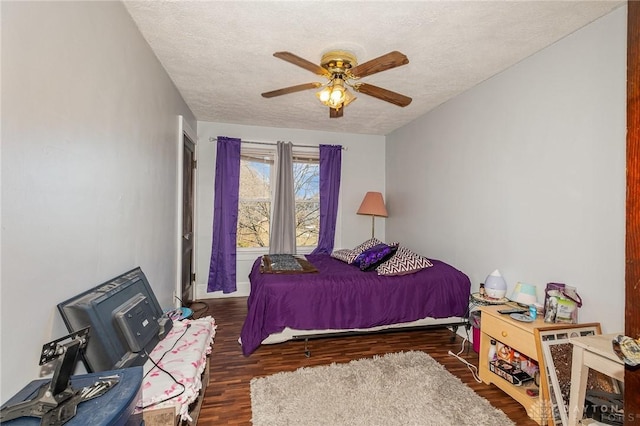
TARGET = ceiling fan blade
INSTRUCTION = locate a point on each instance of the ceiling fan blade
(381, 63)
(303, 63)
(336, 113)
(291, 89)
(383, 94)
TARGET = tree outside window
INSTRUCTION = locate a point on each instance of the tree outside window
(254, 207)
(307, 189)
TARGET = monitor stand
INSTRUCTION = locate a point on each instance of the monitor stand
(56, 401)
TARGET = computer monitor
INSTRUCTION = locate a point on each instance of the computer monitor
(125, 318)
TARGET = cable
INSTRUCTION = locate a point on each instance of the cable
(471, 367)
(196, 312)
(165, 371)
(165, 352)
(172, 378)
(199, 312)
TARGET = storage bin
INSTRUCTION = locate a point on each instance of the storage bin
(474, 319)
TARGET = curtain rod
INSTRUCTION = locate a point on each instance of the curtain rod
(212, 139)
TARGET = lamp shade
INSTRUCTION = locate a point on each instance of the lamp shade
(373, 204)
(525, 294)
(495, 285)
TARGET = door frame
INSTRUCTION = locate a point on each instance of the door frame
(632, 243)
(183, 129)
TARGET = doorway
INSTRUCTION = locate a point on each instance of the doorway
(188, 185)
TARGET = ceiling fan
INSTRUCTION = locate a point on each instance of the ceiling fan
(341, 70)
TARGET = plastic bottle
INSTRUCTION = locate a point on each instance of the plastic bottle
(492, 351)
(516, 360)
(483, 292)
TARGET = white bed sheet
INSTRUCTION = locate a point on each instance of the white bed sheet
(290, 333)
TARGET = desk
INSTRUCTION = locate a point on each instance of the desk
(590, 352)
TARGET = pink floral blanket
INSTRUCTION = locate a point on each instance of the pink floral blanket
(172, 374)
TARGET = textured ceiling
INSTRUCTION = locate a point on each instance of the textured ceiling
(219, 53)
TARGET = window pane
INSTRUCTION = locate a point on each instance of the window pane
(306, 181)
(307, 223)
(255, 180)
(253, 223)
(307, 191)
(254, 206)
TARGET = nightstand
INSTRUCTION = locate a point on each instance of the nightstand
(519, 336)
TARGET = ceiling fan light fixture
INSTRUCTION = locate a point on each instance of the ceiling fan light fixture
(337, 95)
(333, 95)
(348, 98)
(324, 95)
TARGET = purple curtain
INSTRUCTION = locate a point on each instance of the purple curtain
(222, 269)
(330, 170)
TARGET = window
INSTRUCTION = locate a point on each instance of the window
(254, 205)
(306, 185)
(257, 171)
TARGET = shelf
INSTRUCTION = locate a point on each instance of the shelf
(519, 393)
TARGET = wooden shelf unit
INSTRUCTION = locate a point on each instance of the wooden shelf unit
(519, 336)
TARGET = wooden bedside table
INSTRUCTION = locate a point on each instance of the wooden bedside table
(519, 336)
(522, 337)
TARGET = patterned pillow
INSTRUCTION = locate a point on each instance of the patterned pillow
(369, 259)
(346, 255)
(403, 262)
(366, 245)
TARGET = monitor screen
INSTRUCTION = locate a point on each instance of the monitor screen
(125, 320)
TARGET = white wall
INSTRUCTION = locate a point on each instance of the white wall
(526, 173)
(362, 171)
(89, 152)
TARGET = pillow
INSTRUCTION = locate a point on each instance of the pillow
(346, 255)
(403, 262)
(369, 259)
(366, 245)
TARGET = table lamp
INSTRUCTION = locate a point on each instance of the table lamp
(524, 294)
(373, 204)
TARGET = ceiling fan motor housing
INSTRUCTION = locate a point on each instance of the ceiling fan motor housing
(338, 61)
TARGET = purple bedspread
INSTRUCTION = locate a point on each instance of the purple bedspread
(340, 296)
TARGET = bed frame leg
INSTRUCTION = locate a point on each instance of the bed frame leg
(467, 327)
(454, 330)
(307, 352)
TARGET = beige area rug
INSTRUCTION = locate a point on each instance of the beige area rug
(406, 388)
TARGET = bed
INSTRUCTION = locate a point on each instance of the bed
(340, 297)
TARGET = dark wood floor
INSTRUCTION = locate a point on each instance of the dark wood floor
(227, 399)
